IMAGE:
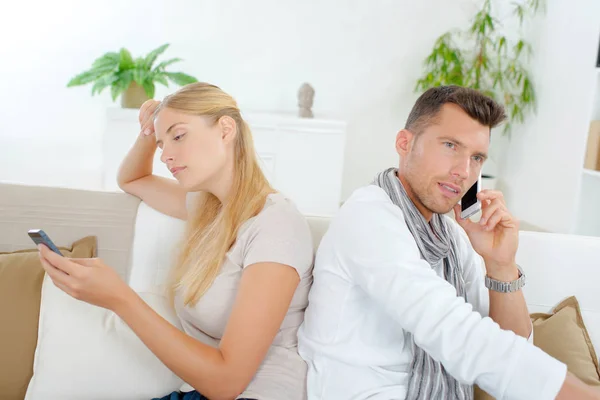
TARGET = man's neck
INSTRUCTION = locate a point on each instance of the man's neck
(425, 212)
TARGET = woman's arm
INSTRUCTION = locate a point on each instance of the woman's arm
(135, 172)
(265, 293)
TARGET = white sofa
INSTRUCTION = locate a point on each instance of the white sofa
(138, 242)
(557, 266)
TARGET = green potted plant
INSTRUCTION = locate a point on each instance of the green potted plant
(133, 79)
(485, 58)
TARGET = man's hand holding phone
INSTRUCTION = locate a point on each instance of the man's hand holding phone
(496, 236)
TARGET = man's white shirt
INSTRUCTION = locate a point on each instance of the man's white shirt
(371, 287)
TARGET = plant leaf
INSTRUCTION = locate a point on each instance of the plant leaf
(160, 67)
(111, 59)
(160, 78)
(519, 11)
(126, 62)
(123, 81)
(180, 78)
(489, 22)
(502, 46)
(140, 75)
(519, 47)
(103, 82)
(149, 88)
(104, 65)
(153, 55)
(83, 78)
(478, 22)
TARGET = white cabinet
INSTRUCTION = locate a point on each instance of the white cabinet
(302, 158)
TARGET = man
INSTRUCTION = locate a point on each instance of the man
(400, 307)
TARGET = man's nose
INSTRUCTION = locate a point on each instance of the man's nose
(462, 168)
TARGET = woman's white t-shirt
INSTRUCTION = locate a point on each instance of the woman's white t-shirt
(279, 234)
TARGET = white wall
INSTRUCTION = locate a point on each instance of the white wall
(542, 172)
(362, 57)
(51, 134)
(588, 217)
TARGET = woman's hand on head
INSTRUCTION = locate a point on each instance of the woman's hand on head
(146, 116)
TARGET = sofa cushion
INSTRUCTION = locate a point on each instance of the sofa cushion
(155, 240)
(563, 335)
(67, 215)
(559, 266)
(318, 229)
(21, 276)
(88, 352)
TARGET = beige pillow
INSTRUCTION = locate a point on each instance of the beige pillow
(21, 277)
(562, 334)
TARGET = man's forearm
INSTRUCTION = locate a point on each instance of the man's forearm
(509, 310)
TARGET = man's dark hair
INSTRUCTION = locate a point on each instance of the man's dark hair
(478, 106)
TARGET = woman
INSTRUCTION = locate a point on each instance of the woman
(240, 284)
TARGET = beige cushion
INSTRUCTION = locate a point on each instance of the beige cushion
(21, 277)
(563, 335)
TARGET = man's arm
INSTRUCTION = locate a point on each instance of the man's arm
(509, 310)
(495, 237)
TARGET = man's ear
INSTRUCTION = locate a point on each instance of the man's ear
(404, 141)
(228, 128)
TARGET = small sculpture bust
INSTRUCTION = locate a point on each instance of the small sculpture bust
(306, 95)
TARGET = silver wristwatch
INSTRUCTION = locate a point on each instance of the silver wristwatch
(506, 287)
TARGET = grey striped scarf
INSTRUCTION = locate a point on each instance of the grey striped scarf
(428, 379)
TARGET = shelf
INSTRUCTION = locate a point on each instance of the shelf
(591, 172)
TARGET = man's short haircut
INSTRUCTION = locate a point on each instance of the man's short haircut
(475, 104)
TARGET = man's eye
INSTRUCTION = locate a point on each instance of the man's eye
(449, 145)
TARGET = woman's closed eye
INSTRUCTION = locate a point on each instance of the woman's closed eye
(178, 137)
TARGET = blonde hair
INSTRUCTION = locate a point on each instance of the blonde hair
(213, 228)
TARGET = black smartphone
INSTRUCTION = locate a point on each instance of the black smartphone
(40, 237)
(469, 203)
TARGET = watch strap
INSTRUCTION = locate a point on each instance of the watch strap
(506, 287)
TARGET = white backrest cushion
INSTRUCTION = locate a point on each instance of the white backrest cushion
(559, 266)
(155, 240)
(87, 352)
(318, 228)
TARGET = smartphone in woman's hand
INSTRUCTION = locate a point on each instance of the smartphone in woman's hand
(40, 237)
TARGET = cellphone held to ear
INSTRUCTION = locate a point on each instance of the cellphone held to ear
(470, 204)
(40, 237)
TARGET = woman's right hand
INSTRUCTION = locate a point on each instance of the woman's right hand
(146, 116)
